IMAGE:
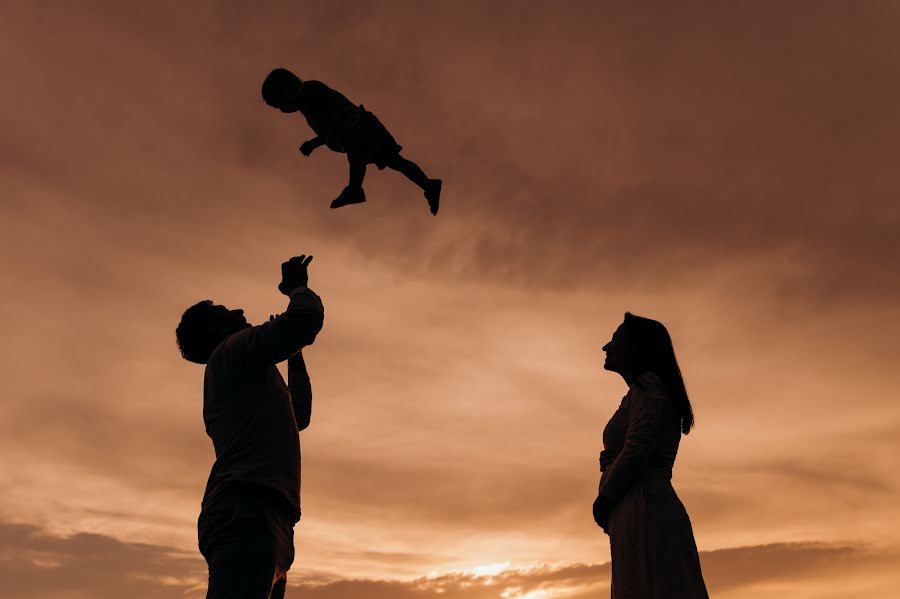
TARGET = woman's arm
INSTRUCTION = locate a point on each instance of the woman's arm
(644, 420)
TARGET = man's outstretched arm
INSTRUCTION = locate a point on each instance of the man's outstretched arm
(280, 338)
(283, 336)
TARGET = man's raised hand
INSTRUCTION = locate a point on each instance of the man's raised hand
(294, 274)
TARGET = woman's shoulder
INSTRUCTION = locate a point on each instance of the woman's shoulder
(650, 384)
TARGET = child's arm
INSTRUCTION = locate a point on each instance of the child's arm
(308, 146)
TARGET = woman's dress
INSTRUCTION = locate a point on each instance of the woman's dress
(654, 555)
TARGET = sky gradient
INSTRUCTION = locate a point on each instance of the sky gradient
(729, 169)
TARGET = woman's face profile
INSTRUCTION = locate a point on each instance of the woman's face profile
(617, 354)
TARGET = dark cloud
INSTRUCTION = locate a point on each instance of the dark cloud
(725, 570)
(36, 565)
(743, 566)
(641, 144)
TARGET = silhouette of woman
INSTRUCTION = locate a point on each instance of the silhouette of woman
(654, 555)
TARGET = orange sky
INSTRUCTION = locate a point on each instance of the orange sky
(729, 170)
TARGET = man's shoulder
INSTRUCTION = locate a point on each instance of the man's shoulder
(229, 346)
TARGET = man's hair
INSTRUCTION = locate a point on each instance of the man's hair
(195, 340)
(277, 83)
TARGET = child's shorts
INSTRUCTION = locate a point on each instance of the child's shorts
(371, 141)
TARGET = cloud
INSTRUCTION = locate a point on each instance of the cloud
(648, 146)
(36, 565)
(800, 565)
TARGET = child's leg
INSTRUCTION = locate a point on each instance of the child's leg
(431, 187)
(353, 193)
(357, 170)
(410, 169)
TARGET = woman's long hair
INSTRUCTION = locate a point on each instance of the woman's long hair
(653, 352)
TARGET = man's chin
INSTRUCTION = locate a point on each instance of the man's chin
(240, 326)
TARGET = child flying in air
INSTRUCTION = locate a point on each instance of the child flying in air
(347, 128)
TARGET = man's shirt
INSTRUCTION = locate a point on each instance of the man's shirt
(248, 410)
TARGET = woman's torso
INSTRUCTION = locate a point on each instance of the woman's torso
(667, 437)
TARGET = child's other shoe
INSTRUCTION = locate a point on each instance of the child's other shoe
(350, 195)
(433, 195)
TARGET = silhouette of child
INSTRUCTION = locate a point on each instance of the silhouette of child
(347, 128)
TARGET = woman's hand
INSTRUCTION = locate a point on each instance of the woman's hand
(607, 457)
(601, 512)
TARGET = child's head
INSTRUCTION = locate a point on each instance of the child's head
(281, 90)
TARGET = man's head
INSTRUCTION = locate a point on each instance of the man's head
(203, 326)
(281, 90)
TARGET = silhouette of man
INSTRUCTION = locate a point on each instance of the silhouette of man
(252, 498)
(347, 128)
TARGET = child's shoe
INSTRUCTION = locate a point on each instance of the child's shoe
(350, 195)
(433, 195)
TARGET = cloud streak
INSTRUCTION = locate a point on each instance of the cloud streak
(37, 565)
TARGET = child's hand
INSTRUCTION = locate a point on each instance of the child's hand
(307, 147)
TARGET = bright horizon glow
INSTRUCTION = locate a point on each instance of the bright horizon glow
(487, 570)
(537, 594)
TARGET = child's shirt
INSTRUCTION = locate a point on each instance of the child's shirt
(329, 114)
